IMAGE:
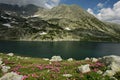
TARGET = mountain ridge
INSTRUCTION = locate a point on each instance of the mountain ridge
(64, 22)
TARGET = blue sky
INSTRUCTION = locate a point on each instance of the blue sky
(90, 3)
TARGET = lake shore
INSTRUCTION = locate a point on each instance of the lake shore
(55, 68)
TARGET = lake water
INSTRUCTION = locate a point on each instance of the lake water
(76, 50)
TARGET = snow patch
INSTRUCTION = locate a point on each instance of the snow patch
(7, 25)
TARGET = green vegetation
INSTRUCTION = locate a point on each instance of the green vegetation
(41, 69)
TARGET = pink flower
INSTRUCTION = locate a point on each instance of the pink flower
(95, 70)
(40, 67)
(24, 77)
(48, 67)
(34, 75)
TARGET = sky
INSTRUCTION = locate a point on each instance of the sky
(106, 10)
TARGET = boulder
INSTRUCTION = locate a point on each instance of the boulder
(70, 59)
(113, 63)
(94, 59)
(84, 68)
(10, 54)
(87, 59)
(11, 76)
(56, 58)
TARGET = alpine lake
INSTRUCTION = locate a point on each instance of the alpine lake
(65, 49)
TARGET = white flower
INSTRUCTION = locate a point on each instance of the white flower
(10, 54)
(0, 59)
(26, 57)
(84, 68)
(70, 59)
(11, 76)
(56, 58)
(99, 72)
(46, 59)
(67, 75)
(19, 57)
(5, 69)
(1, 62)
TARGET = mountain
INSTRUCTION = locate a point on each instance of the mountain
(64, 22)
(26, 10)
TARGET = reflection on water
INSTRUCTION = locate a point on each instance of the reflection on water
(76, 50)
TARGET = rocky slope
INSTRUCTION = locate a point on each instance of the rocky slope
(59, 23)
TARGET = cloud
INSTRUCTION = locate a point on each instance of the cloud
(108, 14)
(100, 5)
(52, 3)
(43, 3)
(90, 11)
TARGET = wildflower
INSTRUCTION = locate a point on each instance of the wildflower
(99, 72)
(46, 59)
(35, 75)
(40, 67)
(24, 77)
(67, 75)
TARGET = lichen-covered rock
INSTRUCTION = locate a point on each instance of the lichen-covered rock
(56, 58)
(11, 76)
(84, 68)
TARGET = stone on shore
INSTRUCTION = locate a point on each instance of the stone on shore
(84, 68)
(94, 59)
(10, 54)
(56, 58)
(70, 59)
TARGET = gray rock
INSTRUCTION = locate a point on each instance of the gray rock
(113, 63)
(84, 68)
(11, 76)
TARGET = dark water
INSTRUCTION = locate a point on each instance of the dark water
(76, 50)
